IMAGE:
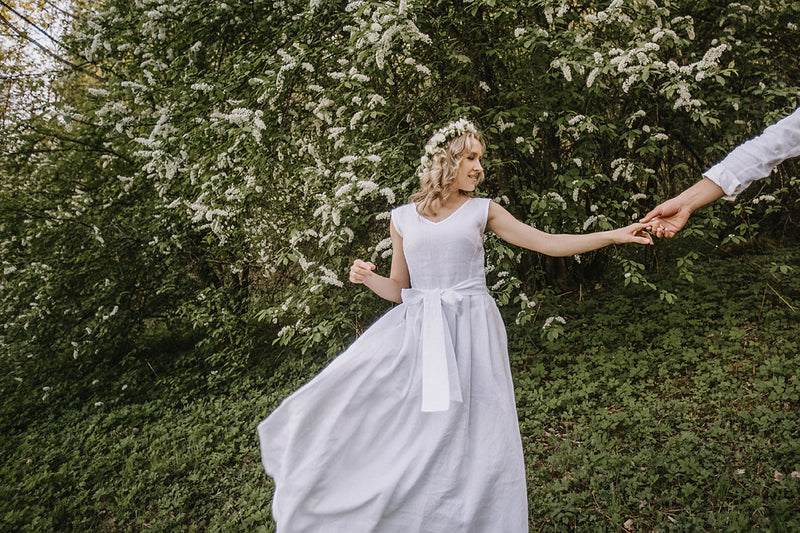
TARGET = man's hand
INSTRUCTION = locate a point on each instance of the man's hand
(668, 218)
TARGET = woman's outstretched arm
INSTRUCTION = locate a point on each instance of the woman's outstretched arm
(388, 288)
(511, 230)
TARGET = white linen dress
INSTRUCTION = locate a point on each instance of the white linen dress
(413, 428)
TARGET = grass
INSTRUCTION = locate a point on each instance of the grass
(641, 416)
(647, 416)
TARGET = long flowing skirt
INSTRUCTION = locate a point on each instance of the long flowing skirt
(352, 450)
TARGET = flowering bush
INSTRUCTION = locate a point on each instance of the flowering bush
(241, 154)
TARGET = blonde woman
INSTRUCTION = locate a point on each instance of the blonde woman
(414, 427)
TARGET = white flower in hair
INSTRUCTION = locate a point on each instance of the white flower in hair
(440, 138)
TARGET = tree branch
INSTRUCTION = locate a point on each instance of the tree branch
(46, 50)
(62, 11)
(29, 21)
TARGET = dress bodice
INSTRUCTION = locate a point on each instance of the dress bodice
(445, 253)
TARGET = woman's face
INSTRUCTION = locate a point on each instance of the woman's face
(470, 167)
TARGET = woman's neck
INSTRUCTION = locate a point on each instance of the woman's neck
(440, 210)
(453, 201)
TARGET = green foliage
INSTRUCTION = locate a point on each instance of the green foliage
(215, 188)
(640, 415)
(239, 155)
(649, 415)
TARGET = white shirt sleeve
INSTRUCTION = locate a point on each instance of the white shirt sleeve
(756, 158)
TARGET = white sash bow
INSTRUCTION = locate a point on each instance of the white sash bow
(440, 382)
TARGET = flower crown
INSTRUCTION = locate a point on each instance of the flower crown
(440, 138)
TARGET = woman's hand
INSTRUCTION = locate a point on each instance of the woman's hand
(390, 288)
(360, 271)
(634, 233)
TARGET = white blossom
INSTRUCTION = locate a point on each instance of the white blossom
(375, 100)
(355, 119)
(503, 125)
(330, 277)
(423, 69)
(342, 190)
(366, 187)
(557, 197)
(388, 193)
(550, 320)
(763, 198)
(574, 120)
(591, 77)
(384, 244)
(335, 132)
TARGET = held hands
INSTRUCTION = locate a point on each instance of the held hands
(634, 233)
(668, 218)
(360, 271)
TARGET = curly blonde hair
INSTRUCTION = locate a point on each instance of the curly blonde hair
(440, 171)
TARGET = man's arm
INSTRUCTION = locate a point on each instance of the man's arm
(755, 159)
(751, 160)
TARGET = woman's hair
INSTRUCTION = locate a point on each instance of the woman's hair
(440, 171)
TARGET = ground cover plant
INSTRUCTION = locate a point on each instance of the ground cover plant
(678, 417)
(641, 416)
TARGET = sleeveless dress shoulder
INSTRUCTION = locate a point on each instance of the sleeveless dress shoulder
(413, 428)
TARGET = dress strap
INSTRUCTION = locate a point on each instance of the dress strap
(482, 210)
(440, 381)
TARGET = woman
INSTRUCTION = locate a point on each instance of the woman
(414, 427)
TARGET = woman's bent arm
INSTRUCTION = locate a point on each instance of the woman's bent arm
(388, 288)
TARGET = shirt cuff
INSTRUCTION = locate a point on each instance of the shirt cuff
(726, 180)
